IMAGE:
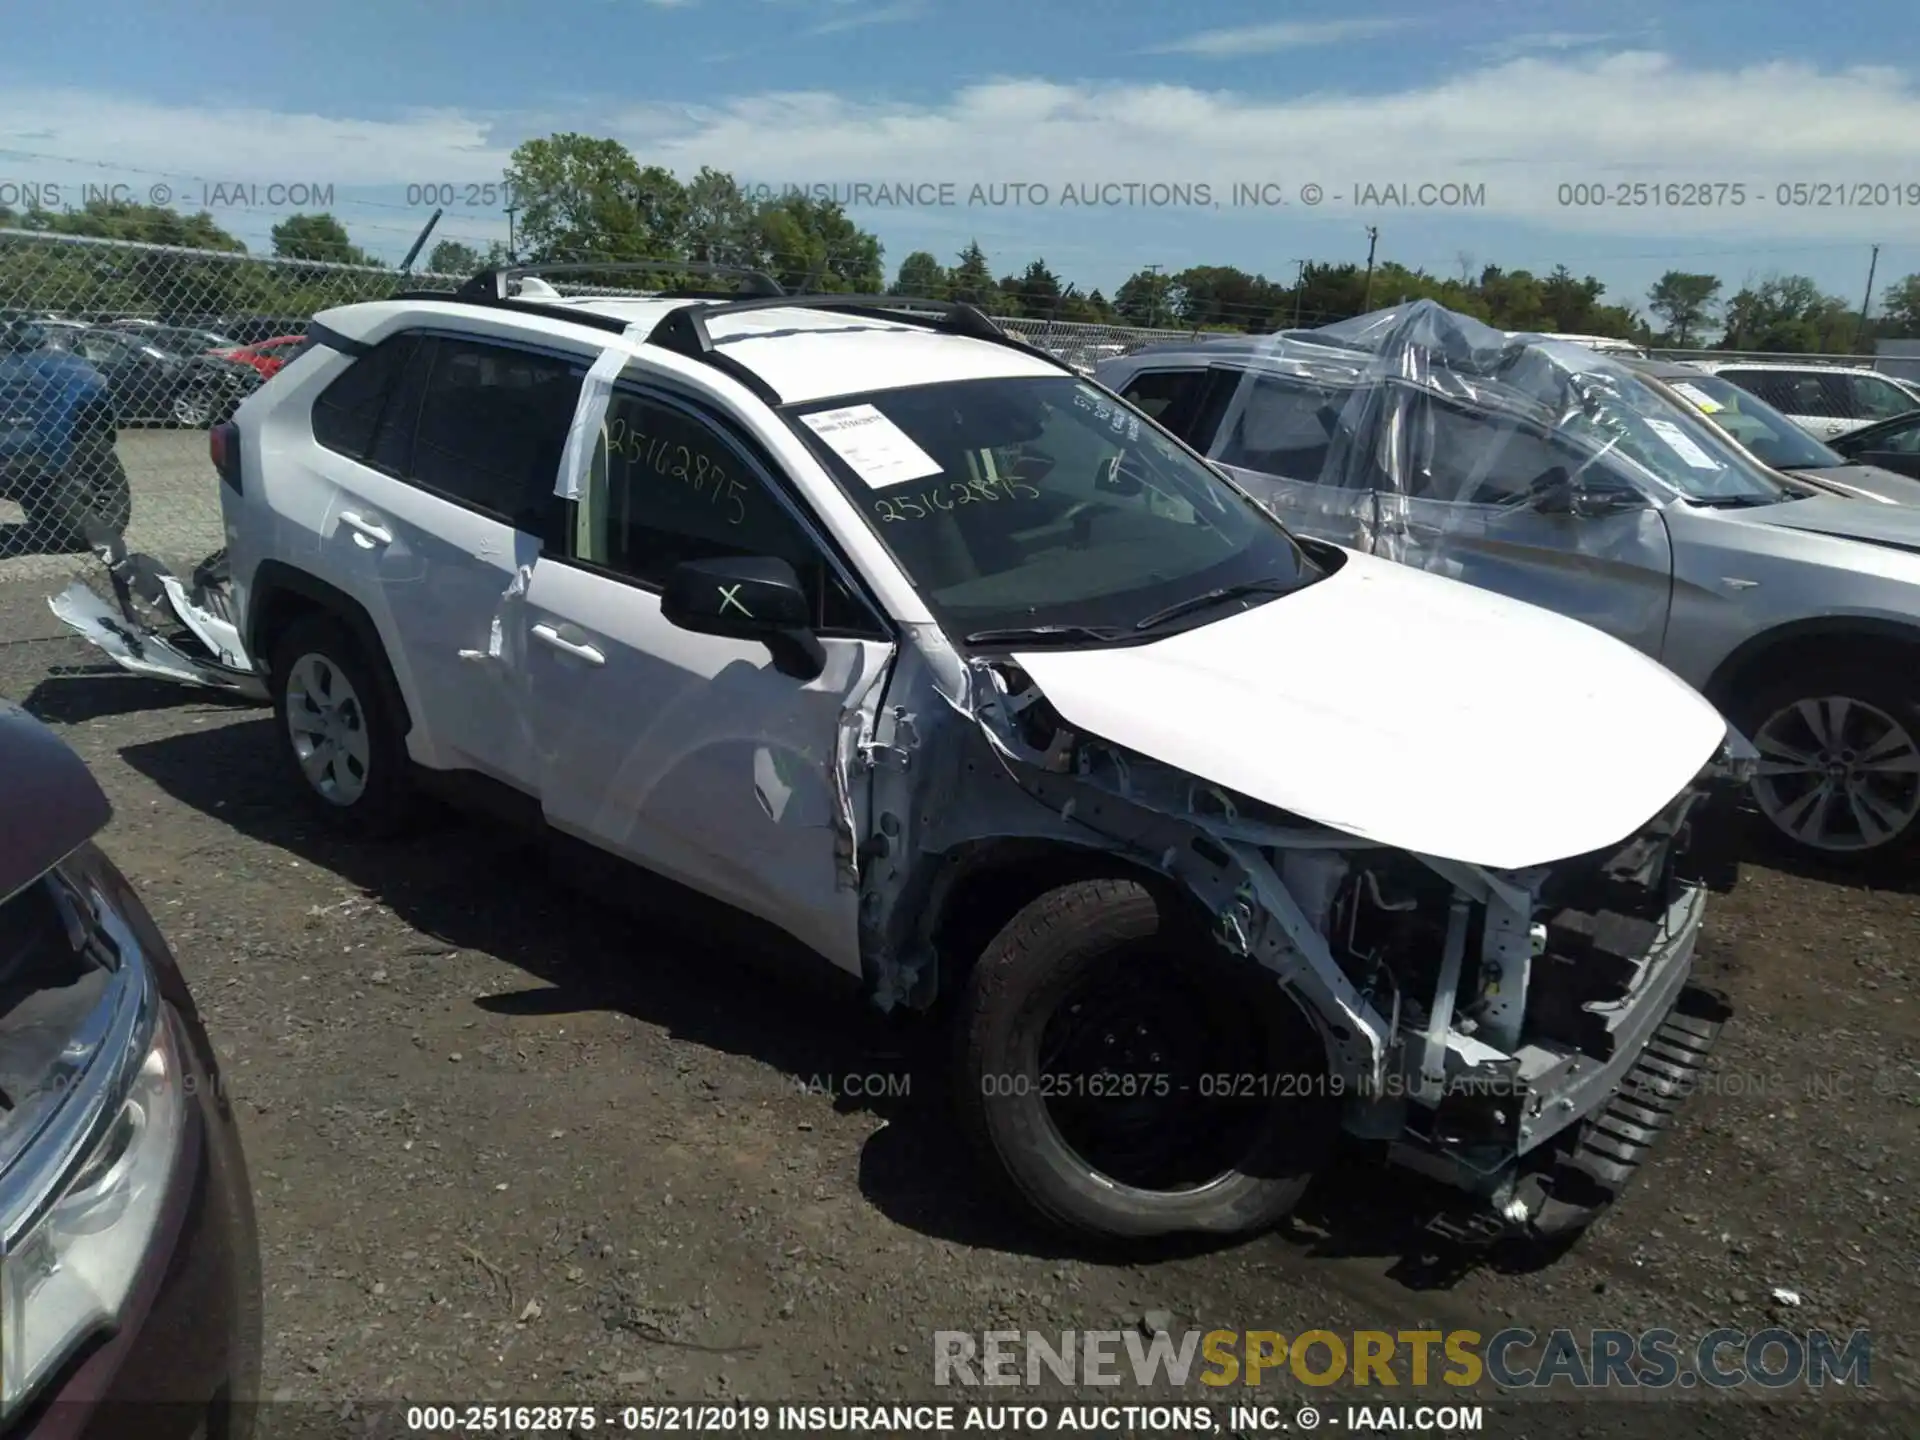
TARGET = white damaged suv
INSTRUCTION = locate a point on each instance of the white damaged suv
(867, 620)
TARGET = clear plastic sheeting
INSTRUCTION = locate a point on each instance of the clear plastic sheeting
(1520, 463)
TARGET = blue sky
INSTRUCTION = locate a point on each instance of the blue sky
(1519, 99)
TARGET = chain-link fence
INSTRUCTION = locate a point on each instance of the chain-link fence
(117, 357)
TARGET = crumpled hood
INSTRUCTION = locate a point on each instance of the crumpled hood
(1408, 709)
(1876, 482)
(1896, 525)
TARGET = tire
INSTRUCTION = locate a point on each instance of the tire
(362, 787)
(1224, 1166)
(195, 407)
(93, 487)
(1873, 758)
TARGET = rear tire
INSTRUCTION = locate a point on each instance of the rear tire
(1839, 743)
(340, 739)
(1215, 1126)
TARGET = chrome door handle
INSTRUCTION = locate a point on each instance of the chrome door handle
(366, 529)
(547, 635)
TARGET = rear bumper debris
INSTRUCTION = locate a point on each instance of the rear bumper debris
(159, 626)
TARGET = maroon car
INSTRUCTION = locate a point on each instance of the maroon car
(129, 1264)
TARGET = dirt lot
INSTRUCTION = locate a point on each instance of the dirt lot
(511, 1144)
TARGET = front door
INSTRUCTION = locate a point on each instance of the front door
(1464, 506)
(691, 754)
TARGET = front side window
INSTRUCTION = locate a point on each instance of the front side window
(1014, 503)
(1282, 426)
(665, 487)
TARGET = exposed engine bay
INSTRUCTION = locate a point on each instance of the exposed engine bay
(1498, 1030)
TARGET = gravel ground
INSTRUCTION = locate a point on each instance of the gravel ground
(509, 1143)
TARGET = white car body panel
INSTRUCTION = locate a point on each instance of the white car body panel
(692, 755)
(1408, 709)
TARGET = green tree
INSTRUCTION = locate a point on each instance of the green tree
(1035, 292)
(1146, 298)
(1900, 309)
(1684, 303)
(451, 257)
(717, 220)
(583, 198)
(810, 244)
(921, 274)
(971, 280)
(316, 237)
(1788, 313)
(1208, 295)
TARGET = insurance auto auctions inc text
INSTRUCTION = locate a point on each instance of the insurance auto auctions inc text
(1771, 1359)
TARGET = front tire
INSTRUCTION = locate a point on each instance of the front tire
(1128, 1079)
(1839, 743)
(341, 740)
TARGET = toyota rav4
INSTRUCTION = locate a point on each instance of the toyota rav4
(874, 623)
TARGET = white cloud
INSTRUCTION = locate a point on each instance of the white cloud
(1520, 129)
(1241, 40)
(1508, 47)
(891, 14)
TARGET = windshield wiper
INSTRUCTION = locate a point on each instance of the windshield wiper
(1213, 597)
(1736, 502)
(1045, 634)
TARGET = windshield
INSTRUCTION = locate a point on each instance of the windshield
(1624, 419)
(1014, 503)
(1755, 424)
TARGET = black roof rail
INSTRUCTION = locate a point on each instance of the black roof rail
(684, 331)
(499, 284)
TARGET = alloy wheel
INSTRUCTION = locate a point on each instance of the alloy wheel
(328, 727)
(1837, 774)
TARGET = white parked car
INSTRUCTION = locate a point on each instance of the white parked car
(1826, 401)
(895, 633)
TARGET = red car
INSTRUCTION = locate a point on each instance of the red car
(269, 355)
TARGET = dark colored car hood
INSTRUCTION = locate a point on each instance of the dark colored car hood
(1848, 519)
(1884, 484)
(51, 801)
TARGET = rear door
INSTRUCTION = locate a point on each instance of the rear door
(440, 455)
(691, 754)
(1279, 437)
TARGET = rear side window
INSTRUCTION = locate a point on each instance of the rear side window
(346, 416)
(492, 423)
(1283, 428)
(1170, 396)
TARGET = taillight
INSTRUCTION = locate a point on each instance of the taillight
(223, 443)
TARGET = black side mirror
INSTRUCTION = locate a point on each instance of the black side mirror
(1552, 492)
(747, 598)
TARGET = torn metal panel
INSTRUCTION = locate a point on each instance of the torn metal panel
(142, 651)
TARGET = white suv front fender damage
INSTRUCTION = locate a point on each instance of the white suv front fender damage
(961, 757)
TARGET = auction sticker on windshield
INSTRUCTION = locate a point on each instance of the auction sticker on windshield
(1706, 403)
(1682, 445)
(875, 449)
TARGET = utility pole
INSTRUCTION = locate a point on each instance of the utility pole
(1299, 289)
(1153, 318)
(1873, 263)
(1373, 239)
